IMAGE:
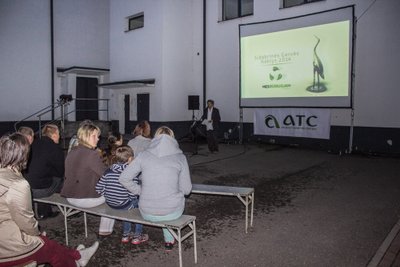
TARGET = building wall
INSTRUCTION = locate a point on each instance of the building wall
(376, 60)
(164, 49)
(81, 38)
(25, 58)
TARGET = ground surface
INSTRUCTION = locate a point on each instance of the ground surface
(312, 208)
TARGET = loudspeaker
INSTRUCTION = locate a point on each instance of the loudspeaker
(193, 102)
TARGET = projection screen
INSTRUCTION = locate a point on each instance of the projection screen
(298, 62)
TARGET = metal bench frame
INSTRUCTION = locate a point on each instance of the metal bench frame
(244, 194)
(174, 227)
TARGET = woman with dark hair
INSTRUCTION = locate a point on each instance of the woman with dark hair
(114, 140)
(141, 138)
(21, 240)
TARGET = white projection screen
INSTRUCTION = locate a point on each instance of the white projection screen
(302, 61)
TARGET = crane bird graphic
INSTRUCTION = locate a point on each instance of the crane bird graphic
(318, 71)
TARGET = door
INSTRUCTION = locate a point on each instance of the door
(143, 107)
(86, 88)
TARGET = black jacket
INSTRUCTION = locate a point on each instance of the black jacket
(215, 117)
(46, 161)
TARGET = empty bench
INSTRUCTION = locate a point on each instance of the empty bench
(175, 227)
(245, 195)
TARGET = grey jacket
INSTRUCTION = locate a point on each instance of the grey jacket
(165, 177)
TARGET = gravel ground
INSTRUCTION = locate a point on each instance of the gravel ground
(312, 208)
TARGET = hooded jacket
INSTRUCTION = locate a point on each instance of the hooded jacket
(165, 178)
(18, 227)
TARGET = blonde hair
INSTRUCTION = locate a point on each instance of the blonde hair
(27, 131)
(164, 130)
(84, 133)
(49, 129)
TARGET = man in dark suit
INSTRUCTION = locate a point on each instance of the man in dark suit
(211, 119)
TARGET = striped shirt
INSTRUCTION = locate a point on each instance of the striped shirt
(108, 186)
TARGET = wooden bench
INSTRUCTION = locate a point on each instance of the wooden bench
(174, 227)
(245, 195)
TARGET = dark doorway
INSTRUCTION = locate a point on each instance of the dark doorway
(143, 107)
(86, 88)
(127, 108)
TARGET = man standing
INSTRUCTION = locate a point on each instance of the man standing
(211, 119)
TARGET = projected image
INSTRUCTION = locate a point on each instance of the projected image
(297, 63)
(302, 61)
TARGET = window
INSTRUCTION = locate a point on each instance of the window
(135, 22)
(290, 3)
(232, 9)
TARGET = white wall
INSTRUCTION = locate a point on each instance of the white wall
(164, 49)
(25, 58)
(81, 33)
(376, 59)
(81, 38)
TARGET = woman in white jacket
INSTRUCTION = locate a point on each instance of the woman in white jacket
(165, 180)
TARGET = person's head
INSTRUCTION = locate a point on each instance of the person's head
(210, 103)
(164, 130)
(14, 151)
(123, 154)
(52, 132)
(142, 128)
(88, 135)
(115, 139)
(27, 132)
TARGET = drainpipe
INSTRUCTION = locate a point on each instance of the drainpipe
(52, 56)
(204, 54)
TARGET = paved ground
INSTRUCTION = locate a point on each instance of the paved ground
(312, 208)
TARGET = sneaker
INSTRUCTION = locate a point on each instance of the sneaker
(137, 239)
(169, 245)
(87, 253)
(80, 247)
(126, 238)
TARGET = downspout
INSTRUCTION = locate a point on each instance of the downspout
(52, 56)
(204, 54)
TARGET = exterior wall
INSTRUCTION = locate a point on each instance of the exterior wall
(25, 71)
(164, 49)
(376, 59)
(81, 38)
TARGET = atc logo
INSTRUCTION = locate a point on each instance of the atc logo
(291, 121)
(271, 122)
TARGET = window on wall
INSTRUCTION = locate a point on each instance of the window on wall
(232, 9)
(135, 22)
(290, 3)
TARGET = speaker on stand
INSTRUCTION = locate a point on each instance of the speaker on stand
(193, 104)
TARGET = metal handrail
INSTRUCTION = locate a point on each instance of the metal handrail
(61, 104)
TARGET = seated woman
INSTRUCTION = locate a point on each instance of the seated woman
(45, 172)
(83, 169)
(165, 180)
(21, 241)
(141, 139)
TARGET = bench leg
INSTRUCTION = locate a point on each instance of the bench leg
(85, 220)
(180, 247)
(252, 209)
(194, 241)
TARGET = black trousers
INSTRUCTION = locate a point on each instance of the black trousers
(212, 140)
(45, 209)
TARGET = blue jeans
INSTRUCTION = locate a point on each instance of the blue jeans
(168, 237)
(127, 226)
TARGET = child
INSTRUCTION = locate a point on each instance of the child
(118, 197)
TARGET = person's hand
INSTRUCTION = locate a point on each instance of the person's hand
(43, 233)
